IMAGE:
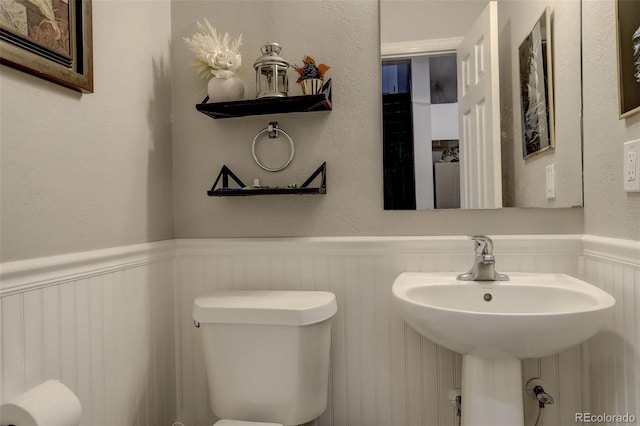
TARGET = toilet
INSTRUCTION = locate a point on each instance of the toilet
(266, 355)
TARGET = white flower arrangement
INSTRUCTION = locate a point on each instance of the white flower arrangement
(215, 56)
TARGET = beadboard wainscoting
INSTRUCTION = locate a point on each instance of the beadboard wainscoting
(115, 325)
(611, 360)
(102, 323)
(382, 371)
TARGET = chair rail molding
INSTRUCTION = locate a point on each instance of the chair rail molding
(436, 245)
(23, 275)
(612, 249)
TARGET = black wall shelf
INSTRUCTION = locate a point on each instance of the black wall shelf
(224, 192)
(263, 106)
(241, 190)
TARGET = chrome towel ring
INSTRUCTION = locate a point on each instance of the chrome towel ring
(273, 130)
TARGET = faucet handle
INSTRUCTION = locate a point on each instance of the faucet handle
(484, 244)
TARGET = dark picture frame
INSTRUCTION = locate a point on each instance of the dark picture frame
(52, 40)
(628, 48)
(536, 88)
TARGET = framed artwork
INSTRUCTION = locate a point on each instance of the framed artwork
(536, 88)
(628, 23)
(51, 39)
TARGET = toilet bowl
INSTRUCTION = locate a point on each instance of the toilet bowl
(266, 354)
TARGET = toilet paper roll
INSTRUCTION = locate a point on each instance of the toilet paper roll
(49, 404)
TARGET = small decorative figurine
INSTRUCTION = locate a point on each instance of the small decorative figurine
(311, 75)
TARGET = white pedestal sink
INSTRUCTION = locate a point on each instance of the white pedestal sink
(495, 324)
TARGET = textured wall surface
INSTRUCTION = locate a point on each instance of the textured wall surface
(608, 211)
(81, 172)
(402, 20)
(344, 35)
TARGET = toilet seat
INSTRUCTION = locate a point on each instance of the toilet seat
(227, 422)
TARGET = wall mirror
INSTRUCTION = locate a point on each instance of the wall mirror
(452, 95)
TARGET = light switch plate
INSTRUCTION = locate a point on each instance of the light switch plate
(550, 173)
(631, 166)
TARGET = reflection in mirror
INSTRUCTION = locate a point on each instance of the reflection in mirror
(432, 94)
(432, 159)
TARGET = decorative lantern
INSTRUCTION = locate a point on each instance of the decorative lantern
(271, 72)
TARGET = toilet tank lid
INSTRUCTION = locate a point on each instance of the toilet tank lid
(265, 307)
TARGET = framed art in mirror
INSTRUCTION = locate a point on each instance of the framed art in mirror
(51, 39)
(536, 88)
(628, 23)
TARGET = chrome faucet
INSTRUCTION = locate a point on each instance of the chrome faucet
(484, 267)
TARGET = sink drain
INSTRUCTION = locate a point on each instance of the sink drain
(487, 297)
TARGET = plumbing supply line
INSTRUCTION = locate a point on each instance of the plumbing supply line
(543, 399)
(540, 415)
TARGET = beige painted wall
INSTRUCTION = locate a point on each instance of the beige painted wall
(344, 35)
(81, 172)
(609, 211)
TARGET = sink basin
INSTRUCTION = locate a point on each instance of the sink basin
(530, 316)
(495, 324)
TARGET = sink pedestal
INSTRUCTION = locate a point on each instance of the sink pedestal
(491, 391)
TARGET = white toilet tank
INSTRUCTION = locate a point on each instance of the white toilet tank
(267, 353)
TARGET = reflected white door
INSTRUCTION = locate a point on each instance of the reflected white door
(479, 100)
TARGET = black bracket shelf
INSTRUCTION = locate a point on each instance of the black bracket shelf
(243, 190)
(263, 106)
